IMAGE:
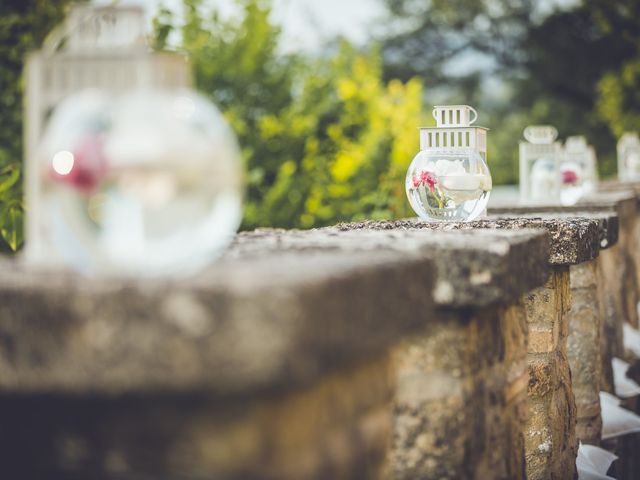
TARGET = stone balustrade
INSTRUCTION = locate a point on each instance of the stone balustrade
(550, 430)
(461, 401)
(275, 363)
(274, 367)
(368, 350)
(594, 332)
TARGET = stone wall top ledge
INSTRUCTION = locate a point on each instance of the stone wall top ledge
(607, 218)
(571, 240)
(622, 200)
(475, 268)
(242, 326)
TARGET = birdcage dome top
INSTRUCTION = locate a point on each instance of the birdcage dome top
(94, 28)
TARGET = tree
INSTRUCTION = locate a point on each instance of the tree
(550, 67)
(323, 139)
(619, 98)
(24, 25)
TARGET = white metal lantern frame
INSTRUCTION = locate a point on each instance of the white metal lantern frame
(578, 151)
(629, 157)
(541, 144)
(99, 47)
(454, 131)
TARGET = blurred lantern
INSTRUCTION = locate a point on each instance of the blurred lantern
(128, 171)
(449, 178)
(540, 158)
(578, 170)
(629, 157)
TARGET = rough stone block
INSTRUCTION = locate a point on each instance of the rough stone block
(571, 240)
(615, 282)
(460, 415)
(242, 326)
(584, 350)
(550, 441)
(338, 427)
(475, 268)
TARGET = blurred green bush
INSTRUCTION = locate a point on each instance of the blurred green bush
(329, 137)
(323, 139)
(23, 26)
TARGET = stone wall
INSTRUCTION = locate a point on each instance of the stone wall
(273, 364)
(550, 434)
(461, 402)
(372, 350)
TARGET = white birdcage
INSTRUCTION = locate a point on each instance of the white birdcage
(629, 157)
(99, 47)
(540, 158)
(449, 178)
(578, 170)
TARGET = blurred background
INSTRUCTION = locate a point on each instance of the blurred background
(326, 97)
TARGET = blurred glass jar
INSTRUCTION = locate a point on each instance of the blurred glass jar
(144, 183)
(449, 179)
(578, 170)
(540, 161)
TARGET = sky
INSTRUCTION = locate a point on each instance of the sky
(307, 24)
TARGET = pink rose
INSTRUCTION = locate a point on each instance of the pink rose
(569, 177)
(429, 179)
(89, 165)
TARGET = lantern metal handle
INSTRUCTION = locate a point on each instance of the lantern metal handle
(454, 115)
(540, 134)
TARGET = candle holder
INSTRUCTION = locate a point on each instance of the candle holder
(629, 157)
(540, 159)
(449, 180)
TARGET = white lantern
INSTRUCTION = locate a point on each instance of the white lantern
(128, 170)
(629, 157)
(449, 178)
(100, 47)
(540, 158)
(578, 170)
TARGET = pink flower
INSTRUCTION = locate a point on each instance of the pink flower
(429, 179)
(416, 181)
(569, 177)
(88, 167)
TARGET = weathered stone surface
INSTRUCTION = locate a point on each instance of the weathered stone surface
(336, 428)
(607, 218)
(473, 268)
(617, 285)
(272, 364)
(584, 350)
(611, 311)
(243, 326)
(550, 440)
(626, 205)
(461, 402)
(571, 240)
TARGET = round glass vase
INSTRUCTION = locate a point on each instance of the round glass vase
(573, 183)
(146, 183)
(448, 185)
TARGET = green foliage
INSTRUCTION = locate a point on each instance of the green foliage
(619, 98)
(323, 139)
(572, 67)
(23, 27)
